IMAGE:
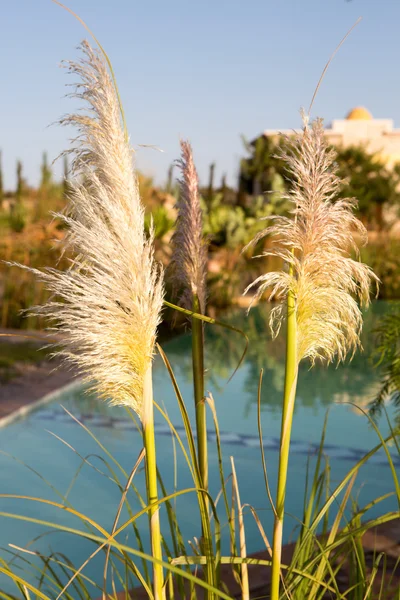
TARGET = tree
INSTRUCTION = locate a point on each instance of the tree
(20, 183)
(388, 360)
(263, 171)
(366, 177)
(369, 180)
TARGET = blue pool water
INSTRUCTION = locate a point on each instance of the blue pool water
(36, 463)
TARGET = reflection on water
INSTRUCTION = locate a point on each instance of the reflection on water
(354, 381)
(319, 388)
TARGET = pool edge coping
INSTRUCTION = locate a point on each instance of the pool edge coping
(26, 409)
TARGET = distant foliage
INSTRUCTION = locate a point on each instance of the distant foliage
(160, 220)
(20, 183)
(169, 186)
(17, 217)
(34, 245)
(224, 225)
(383, 256)
(228, 229)
(210, 188)
(388, 359)
(45, 189)
(46, 173)
(231, 218)
(370, 181)
(263, 171)
(366, 177)
(22, 290)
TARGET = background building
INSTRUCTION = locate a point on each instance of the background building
(360, 128)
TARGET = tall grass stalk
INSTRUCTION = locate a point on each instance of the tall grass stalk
(151, 485)
(189, 268)
(212, 563)
(289, 396)
(323, 318)
(107, 304)
(199, 398)
(242, 536)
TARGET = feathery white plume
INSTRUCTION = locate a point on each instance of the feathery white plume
(316, 243)
(108, 303)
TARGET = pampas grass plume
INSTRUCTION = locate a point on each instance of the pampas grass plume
(316, 243)
(108, 303)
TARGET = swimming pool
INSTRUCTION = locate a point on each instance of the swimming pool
(92, 491)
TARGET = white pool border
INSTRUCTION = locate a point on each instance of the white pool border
(26, 409)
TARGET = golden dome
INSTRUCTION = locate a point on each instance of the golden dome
(359, 113)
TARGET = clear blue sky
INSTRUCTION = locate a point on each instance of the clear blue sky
(207, 70)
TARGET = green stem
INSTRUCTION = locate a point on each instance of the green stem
(198, 382)
(201, 431)
(151, 485)
(291, 372)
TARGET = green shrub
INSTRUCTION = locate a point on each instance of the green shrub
(384, 258)
(17, 217)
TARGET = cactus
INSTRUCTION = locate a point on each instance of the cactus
(1, 181)
(46, 173)
(44, 188)
(210, 189)
(20, 183)
(66, 184)
(169, 186)
(17, 216)
(224, 187)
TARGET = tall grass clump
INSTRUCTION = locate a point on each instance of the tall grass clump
(108, 302)
(319, 289)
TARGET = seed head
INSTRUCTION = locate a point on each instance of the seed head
(108, 303)
(315, 243)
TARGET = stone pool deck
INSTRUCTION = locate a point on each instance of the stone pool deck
(33, 382)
